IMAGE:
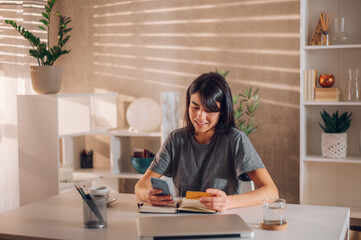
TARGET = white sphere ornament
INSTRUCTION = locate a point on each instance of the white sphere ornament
(144, 115)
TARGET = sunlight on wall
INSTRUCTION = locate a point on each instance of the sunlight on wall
(142, 48)
(153, 42)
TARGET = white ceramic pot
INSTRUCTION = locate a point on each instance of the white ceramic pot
(334, 145)
(46, 79)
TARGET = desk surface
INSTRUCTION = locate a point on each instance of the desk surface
(60, 217)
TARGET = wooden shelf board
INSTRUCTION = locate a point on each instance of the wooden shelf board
(314, 158)
(332, 47)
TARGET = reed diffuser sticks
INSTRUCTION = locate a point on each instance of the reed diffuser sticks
(325, 22)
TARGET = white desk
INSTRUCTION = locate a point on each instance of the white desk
(60, 217)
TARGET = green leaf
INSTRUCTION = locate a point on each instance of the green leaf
(235, 99)
(40, 50)
(45, 15)
(336, 123)
(244, 118)
(51, 4)
(67, 30)
(44, 22)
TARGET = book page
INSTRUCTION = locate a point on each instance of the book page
(193, 205)
(148, 208)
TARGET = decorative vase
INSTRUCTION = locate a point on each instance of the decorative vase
(46, 79)
(334, 145)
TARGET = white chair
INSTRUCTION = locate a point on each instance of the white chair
(247, 186)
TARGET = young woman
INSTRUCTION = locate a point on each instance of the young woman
(209, 153)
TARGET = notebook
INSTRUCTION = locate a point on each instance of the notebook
(193, 226)
(188, 204)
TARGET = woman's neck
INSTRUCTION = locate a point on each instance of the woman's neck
(203, 138)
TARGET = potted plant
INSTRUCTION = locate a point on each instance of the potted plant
(245, 106)
(244, 112)
(334, 137)
(46, 78)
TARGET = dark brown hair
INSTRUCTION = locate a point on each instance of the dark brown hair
(212, 88)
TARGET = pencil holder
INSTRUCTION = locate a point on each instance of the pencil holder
(86, 159)
(95, 212)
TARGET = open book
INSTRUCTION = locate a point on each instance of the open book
(188, 204)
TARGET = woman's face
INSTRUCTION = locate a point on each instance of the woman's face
(203, 121)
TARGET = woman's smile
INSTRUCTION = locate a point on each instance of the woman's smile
(200, 123)
(204, 122)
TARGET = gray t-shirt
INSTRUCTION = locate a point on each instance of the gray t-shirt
(196, 167)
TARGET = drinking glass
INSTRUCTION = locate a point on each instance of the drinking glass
(274, 211)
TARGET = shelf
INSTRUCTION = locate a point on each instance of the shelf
(332, 103)
(314, 158)
(348, 46)
(86, 175)
(127, 133)
(92, 132)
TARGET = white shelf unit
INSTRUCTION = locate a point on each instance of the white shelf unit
(323, 181)
(44, 121)
(121, 142)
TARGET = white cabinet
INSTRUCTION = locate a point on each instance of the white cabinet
(330, 181)
(45, 120)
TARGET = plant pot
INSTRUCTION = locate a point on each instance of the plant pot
(46, 79)
(334, 145)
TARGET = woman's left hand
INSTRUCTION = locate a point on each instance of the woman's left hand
(217, 201)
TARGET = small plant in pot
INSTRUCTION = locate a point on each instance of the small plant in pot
(334, 137)
(46, 78)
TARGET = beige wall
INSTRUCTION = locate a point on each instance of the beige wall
(141, 48)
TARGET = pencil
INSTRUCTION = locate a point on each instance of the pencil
(80, 192)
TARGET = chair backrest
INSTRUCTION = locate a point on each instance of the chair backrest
(247, 186)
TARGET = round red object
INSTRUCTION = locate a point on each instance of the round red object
(326, 80)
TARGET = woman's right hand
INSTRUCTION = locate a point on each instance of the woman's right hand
(158, 200)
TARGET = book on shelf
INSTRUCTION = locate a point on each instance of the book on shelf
(327, 94)
(188, 204)
(309, 84)
(142, 153)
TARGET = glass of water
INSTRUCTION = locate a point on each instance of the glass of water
(274, 211)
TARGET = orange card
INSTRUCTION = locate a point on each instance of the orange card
(196, 195)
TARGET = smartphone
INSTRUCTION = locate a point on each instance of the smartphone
(160, 184)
